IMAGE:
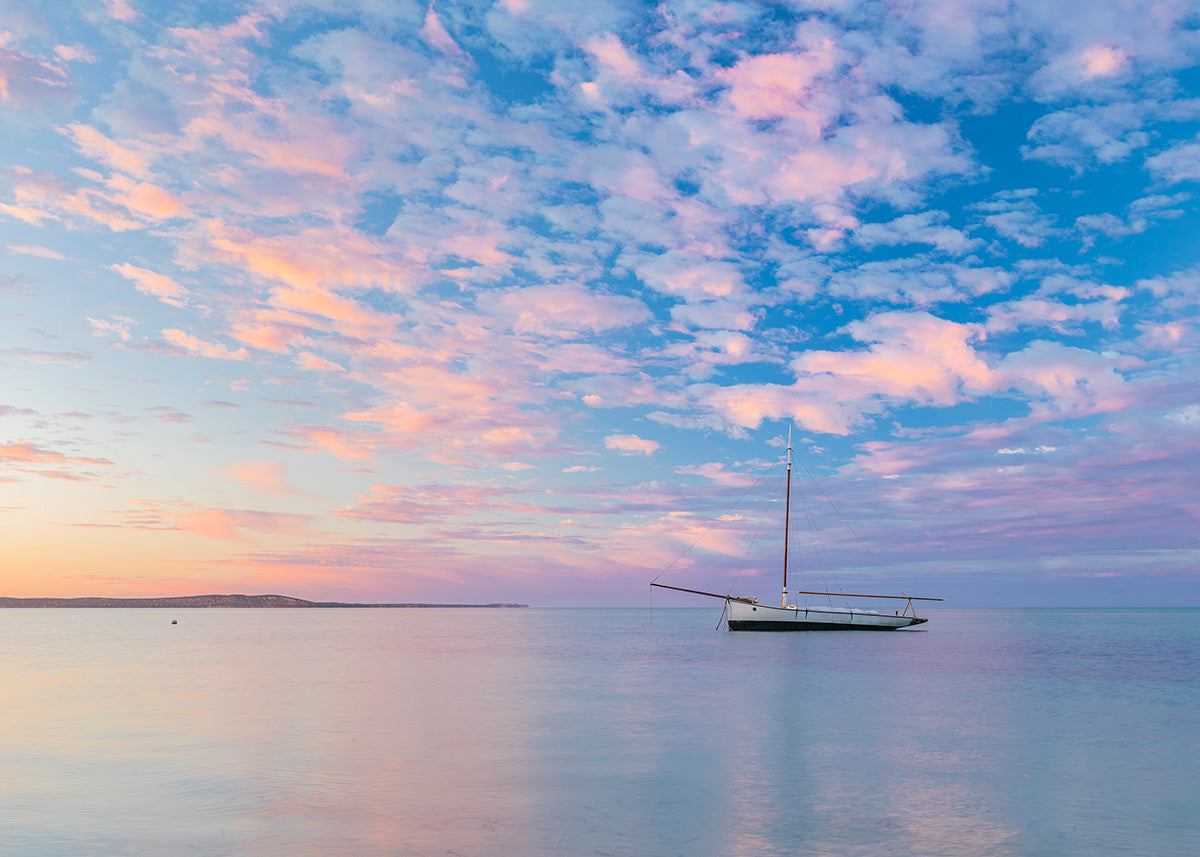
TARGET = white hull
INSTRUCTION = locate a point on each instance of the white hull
(744, 616)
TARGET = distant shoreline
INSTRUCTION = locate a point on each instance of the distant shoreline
(219, 601)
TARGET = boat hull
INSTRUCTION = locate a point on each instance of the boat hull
(744, 616)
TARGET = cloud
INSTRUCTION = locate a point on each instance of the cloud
(42, 197)
(1089, 135)
(744, 406)
(263, 476)
(132, 158)
(149, 283)
(31, 355)
(1087, 302)
(316, 363)
(1015, 215)
(924, 228)
(238, 525)
(719, 473)
(567, 310)
(915, 357)
(1066, 381)
(773, 86)
(349, 444)
(436, 35)
(121, 10)
(40, 252)
(1180, 162)
(118, 326)
(201, 348)
(25, 458)
(630, 444)
(31, 84)
(430, 503)
(74, 53)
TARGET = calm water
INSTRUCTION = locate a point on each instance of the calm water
(595, 732)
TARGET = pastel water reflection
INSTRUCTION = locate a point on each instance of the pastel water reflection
(556, 732)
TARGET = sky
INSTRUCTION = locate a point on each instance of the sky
(512, 301)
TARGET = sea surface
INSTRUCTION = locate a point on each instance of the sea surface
(539, 732)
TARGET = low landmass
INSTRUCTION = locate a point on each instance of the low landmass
(211, 601)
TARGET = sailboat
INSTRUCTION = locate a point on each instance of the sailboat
(745, 613)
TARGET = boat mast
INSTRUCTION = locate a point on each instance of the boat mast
(787, 514)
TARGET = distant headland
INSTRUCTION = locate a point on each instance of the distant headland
(211, 601)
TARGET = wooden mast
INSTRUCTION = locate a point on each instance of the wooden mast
(787, 514)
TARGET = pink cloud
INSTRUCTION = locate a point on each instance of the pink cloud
(436, 35)
(73, 53)
(201, 348)
(630, 444)
(1173, 336)
(1067, 382)
(366, 571)
(720, 315)
(271, 330)
(150, 283)
(40, 196)
(118, 326)
(28, 453)
(305, 261)
(719, 473)
(315, 363)
(1035, 312)
(913, 356)
(349, 444)
(291, 156)
(1084, 66)
(345, 314)
(121, 10)
(925, 228)
(631, 175)
(430, 503)
(582, 357)
(27, 458)
(30, 83)
(26, 213)
(745, 406)
(616, 60)
(769, 86)
(622, 76)
(690, 276)
(236, 524)
(145, 200)
(567, 309)
(133, 159)
(40, 252)
(265, 476)
(1103, 60)
(36, 356)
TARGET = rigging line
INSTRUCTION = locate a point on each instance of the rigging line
(825, 561)
(820, 552)
(758, 532)
(863, 544)
(713, 525)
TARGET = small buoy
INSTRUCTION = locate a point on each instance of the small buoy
(174, 621)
